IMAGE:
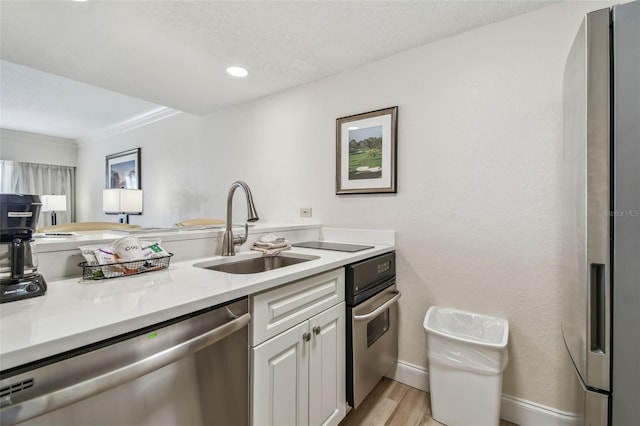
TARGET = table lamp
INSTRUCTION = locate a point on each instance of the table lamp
(53, 203)
(122, 202)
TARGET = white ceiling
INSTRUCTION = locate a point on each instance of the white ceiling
(140, 54)
(37, 102)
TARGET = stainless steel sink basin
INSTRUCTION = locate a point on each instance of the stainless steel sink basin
(254, 265)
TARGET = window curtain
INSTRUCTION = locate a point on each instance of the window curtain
(41, 179)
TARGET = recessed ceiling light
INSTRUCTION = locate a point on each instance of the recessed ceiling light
(237, 71)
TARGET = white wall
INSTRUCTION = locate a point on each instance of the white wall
(33, 148)
(477, 210)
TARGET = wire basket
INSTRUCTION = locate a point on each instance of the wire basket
(123, 269)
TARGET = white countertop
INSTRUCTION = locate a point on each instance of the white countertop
(74, 313)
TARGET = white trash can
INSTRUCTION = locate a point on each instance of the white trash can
(467, 354)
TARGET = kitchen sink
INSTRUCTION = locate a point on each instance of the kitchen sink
(255, 265)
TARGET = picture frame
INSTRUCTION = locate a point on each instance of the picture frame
(366, 152)
(123, 170)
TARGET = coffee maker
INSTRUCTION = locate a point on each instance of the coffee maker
(19, 278)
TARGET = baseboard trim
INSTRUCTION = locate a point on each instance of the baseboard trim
(527, 413)
(411, 375)
(512, 409)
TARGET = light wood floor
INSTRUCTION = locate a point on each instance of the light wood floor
(392, 403)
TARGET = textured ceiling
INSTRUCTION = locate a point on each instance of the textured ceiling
(37, 102)
(174, 53)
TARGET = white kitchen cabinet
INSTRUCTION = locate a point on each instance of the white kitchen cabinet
(280, 388)
(327, 375)
(279, 309)
(298, 376)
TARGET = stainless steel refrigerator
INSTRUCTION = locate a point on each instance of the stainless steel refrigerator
(601, 214)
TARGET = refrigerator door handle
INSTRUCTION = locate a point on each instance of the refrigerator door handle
(599, 324)
(598, 300)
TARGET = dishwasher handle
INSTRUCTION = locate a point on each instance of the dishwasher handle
(393, 299)
(48, 402)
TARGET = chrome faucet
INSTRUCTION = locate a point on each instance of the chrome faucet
(229, 241)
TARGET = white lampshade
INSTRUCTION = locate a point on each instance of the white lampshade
(54, 203)
(121, 200)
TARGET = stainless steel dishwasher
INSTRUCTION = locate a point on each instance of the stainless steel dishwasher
(192, 370)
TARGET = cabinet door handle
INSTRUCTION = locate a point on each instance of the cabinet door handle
(306, 337)
(317, 329)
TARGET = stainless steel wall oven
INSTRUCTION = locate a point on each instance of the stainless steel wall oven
(372, 324)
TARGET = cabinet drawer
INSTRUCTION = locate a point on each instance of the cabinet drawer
(279, 309)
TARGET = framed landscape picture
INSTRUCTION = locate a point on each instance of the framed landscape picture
(123, 170)
(366, 152)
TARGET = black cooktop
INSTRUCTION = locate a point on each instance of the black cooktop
(325, 245)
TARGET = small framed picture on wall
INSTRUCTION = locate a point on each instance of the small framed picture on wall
(366, 146)
(123, 170)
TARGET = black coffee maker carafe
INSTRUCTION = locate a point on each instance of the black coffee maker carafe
(19, 277)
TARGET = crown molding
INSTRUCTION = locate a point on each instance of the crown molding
(20, 136)
(129, 124)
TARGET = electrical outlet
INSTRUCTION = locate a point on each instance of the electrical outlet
(305, 212)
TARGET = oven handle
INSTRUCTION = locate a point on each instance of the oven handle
(379, 309)
(48, 402)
